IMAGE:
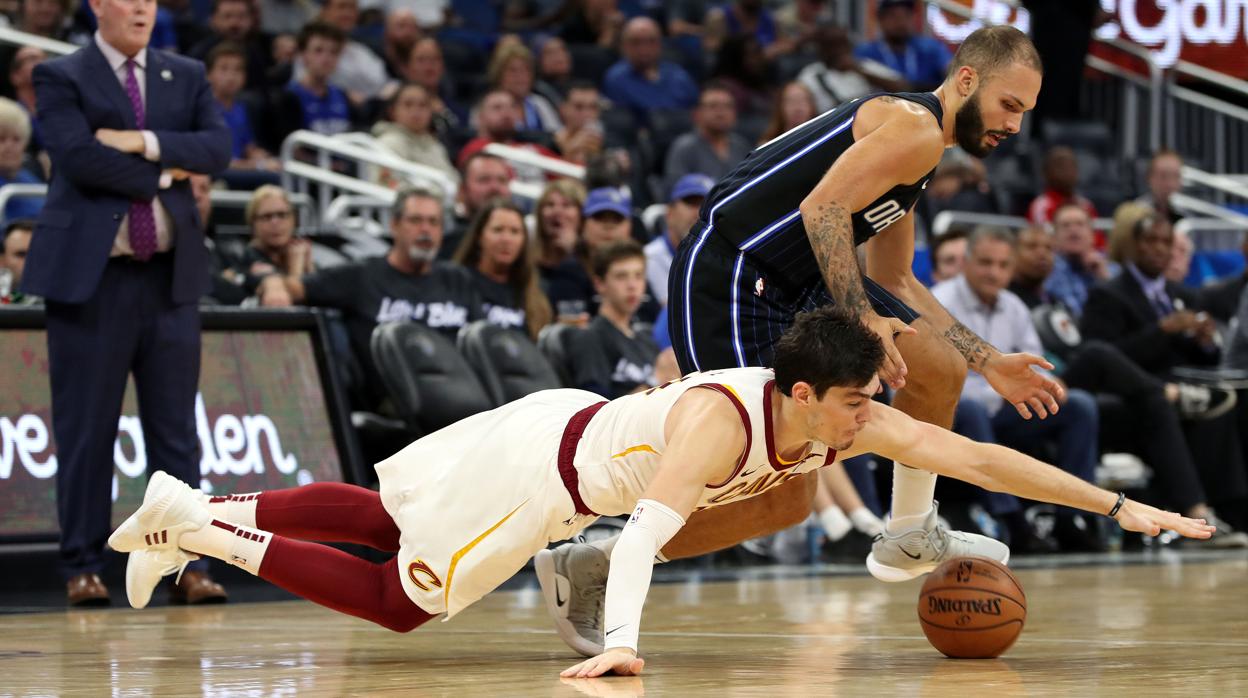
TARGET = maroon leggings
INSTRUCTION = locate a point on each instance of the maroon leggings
(336, 513)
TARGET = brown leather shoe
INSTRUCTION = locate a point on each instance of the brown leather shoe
(87, 589)
(197, 587)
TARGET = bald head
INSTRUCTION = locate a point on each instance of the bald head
(641, 42)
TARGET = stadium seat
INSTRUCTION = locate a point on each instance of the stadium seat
(507, 362)
(430, 383)
(555, 342)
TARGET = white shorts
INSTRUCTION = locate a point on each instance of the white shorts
(474, 501)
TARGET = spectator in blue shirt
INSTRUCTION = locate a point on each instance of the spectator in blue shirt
(922, 60)
(641, 81)
(323, 108)
(1078, 265)
(226, 66)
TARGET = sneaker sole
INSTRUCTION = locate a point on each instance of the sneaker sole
(887, 573)
(544, 567)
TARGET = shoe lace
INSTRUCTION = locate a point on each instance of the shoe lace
(176, 564)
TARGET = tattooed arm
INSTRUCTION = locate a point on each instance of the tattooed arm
(889, 258)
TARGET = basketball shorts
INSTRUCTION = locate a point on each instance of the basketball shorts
(474, 501)
(725, 311)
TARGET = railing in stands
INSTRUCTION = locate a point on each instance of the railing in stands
(1206, 130)
(11, 36)
(221, 198)
(520, 156)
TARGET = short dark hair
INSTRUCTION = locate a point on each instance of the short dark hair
(27, 224)
(827, 347)
(714, 85)
(216, 4)
(990, 49)
(324, 30)
(479, 155)
(223, 50)
(950, 235)
(611, 253)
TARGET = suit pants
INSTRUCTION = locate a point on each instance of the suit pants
(130, 325)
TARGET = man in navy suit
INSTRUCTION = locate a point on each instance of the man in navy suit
(118, 253)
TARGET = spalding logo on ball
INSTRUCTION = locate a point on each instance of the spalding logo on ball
(972, 608)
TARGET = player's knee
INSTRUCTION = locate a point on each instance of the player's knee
(938, 376)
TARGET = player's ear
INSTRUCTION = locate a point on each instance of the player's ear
(803, 393)
(966, 80)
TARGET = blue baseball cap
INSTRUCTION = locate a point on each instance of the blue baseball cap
(692, 185)
(607, 199)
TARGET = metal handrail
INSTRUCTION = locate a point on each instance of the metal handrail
(946, 219)
(1213, 211)
(1222, 183)
(563, 168)
(328, 146)
(20, 191)
(1222, 80)
(9, 35)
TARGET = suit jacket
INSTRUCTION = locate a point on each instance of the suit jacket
(1118, 312)
(92, 185)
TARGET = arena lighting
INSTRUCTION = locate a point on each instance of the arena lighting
(1224, 22)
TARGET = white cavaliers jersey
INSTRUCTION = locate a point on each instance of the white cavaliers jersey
(619, 451)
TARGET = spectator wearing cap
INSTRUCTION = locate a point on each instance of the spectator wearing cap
(682, 212)
(640, 80)
(921, 60)
(711, 148)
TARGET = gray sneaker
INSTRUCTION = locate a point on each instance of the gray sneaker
(573, 578)
(909, 554)
(1224, 537)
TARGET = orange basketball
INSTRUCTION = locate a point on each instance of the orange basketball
(972, 608)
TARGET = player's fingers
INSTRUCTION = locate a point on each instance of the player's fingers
(900, 327)
(1021, 408)
(1037, 406)
(572, 670)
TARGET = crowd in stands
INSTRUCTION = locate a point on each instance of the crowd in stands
(658, 101)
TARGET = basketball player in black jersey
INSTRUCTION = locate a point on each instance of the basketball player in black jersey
(780, 234)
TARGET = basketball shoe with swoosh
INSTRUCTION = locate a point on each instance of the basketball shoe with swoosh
(573, 578)
(912, 553)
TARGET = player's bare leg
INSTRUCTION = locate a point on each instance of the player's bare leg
(913, 543)
(573, 576)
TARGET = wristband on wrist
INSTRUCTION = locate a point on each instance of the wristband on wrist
(1122, 497)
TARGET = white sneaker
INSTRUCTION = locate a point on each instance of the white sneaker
(170, 508)
(912, 553)
(145, 569)
(573, 578)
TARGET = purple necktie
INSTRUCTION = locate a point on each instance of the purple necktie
(142, 218)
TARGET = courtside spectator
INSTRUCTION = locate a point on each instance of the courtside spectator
(682, 212)
(612, 358)
(641, 80)
(1061, 175)
(408, 133)
(235, 21)
(948, 253)
(360, 72)
(321, 107)
(921, 60)
(839, 76)
(564, 278)
(712, 148)
(1165, 179)
(498, 252)
(581, 137)
(483, 177)
(512, 69)
(226, 66)
(794, 106)
(1078, 265)
(14, 137)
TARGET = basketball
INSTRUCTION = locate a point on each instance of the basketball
(972, 608)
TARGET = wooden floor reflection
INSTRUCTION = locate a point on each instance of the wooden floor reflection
(1141, 630)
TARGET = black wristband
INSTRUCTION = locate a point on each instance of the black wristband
(1122, 497)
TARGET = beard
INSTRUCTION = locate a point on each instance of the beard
(422, 255)
(968, 128)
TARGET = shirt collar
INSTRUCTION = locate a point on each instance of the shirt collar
(971, 300)
(1155, 288)
(116, 59)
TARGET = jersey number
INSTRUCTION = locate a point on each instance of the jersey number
(884, 215)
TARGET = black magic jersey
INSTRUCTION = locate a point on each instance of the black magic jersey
(747, 267)
(754, 208)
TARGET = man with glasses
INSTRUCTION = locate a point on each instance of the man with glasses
(409, 284)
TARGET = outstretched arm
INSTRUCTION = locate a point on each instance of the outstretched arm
(890, 257)
(705, 439)
(895, 435)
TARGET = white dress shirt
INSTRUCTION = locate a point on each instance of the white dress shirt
(164, 224)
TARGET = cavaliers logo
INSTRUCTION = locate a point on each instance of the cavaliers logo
(420, 567)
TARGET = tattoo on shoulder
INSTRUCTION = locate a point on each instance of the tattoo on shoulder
(975, 350)
(832, 238)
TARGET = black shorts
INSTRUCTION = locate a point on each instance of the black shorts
(725, 312)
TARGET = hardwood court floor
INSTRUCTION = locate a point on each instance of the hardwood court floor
(1139, 630)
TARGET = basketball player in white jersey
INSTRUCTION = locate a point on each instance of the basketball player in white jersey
(465, 507)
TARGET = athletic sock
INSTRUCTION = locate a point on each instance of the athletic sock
(240, 546)
(239, 508)
(913, 492)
